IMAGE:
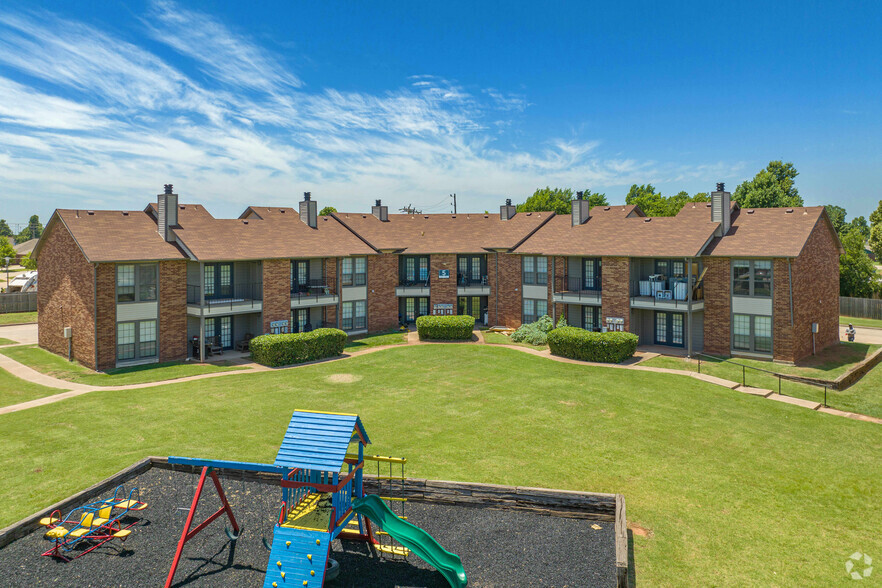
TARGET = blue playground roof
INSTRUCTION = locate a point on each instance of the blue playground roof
(319, 440)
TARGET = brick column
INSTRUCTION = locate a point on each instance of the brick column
(782, 331)
(331, 279)
(815, 292)
(559, 268)
(172, 310)
(106, 314)
(717, 306)
(382, 304)
(276, 292)
(443, 291)
(616, 289)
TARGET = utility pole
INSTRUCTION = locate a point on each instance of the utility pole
(454, 202)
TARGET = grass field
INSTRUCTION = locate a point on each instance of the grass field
(731, 490)
(7, 341)
(56, 366)
(391, 338)
(865, 397)
(14, 318)
(500, 339)
(860, 322)
(14, 390)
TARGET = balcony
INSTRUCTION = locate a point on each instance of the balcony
(659, 293)
(315, 292)
(236, 299)
(577, 290)
(469, 285)
(412, 288)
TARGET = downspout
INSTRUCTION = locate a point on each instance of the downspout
(689, 307)
(496, 322)
(202, 312)
(790, 284)
(553, 275)
(94, 312)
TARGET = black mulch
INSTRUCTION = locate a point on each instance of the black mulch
(497, 547)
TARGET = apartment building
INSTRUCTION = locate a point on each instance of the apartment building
(171, 281)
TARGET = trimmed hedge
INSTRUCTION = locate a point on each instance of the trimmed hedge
(576, 343)
(446, 328)
(289, 348)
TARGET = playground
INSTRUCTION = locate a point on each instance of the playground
(287, 523)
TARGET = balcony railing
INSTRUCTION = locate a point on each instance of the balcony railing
(578, 284)
(236, 295)
(663, 291)
(465, 280)
(315, 288)
(413, 283)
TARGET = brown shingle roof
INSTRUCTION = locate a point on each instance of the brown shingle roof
(768, 232)
(115, 235)
(265, 233)
(444, 233)
(606, 234)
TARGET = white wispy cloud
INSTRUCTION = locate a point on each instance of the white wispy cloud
(89, 118)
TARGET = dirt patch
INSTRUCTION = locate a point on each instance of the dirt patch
(639, 531)
(343, 378)
(568, 402)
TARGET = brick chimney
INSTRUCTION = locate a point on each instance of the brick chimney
(721, 208)
(309, 210)
(380, 211)
(581, 210)
(167, 213)
(507, 211)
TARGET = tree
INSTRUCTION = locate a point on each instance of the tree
(327, 210)
(876, 241)
(876, 215)
(558, 200)
(32, 231)
(857, 274)
(860, 225)
(771, 187)
(28, 262)
(5, 231)
(837, 216)
(652, 203)
(6, 249)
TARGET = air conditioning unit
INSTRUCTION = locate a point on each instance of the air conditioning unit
(67, 332)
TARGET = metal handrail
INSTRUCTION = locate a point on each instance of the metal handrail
(579, 285)
(467, 280)
(415, 283)
(313, 288)
(249, 292)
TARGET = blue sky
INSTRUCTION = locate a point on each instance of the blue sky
(255, 103)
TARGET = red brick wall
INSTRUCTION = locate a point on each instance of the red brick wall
(443, 291)
(615, 285)
(65, 297)
(331, 277)
(172, 310)
(382, 304)
(508, 286)
(557, 266)
(782, 331)
(717, 306)
(276, 291)
(816, 292)
(106, 307)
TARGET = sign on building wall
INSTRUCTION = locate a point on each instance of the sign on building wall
(278, 327)
(443, 274)
(442, 309)
(615, 323)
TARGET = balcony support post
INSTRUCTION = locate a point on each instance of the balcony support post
(689, 307)
(201, 312)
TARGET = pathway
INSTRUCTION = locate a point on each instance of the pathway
(74, 389)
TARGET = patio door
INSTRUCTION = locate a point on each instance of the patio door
(472, 306)
(218, 280)
(669, 328)
(300, 275)
(300, 320)
(220, 327)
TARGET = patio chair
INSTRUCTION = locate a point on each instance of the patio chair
(242, 344)
(214, 345)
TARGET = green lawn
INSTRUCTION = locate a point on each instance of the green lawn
(390, 338)
(860, 322)
(56, 366)
(734, 490)
(500, 339)
(7, 341)
(14, 390)
(863, 397)
(13, 318)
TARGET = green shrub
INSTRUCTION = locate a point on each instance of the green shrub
(446, 328)
(575, 343)
(562, 322)
(534, 333)
(288, 348)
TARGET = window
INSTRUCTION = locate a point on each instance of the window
(535, 269)
(410, 310)
(354, 271)
(471, 270)
(661, 327)
(136, 282)
(534, 309)
(591, 274)
(299, 275)
(752, 277)
(346, 321)
(135, 340)
(591, 318)
(679, 268)
(354, 315)
(752, 333)
(414, 270)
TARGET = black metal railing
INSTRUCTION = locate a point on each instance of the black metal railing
(770, 373)
(234, 295)
(580, 285)
(670, 291)
(466, 280)
(413, 283)
(303, 291)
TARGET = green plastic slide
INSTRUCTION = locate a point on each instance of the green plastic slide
(412, 537)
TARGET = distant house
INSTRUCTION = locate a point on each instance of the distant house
(24, 248)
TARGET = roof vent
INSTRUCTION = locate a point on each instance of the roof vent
(647, 219)
(90, 212)
(721, 186)
(788, 211)
(380, 211)
(607, 208)
(282, 210)
(244, 222)
(125, 213)
(307, 196)
(169, 189)
(507, 211)
(750, 211)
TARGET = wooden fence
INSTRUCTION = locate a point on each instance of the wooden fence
(870, 308)
(18, 302)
